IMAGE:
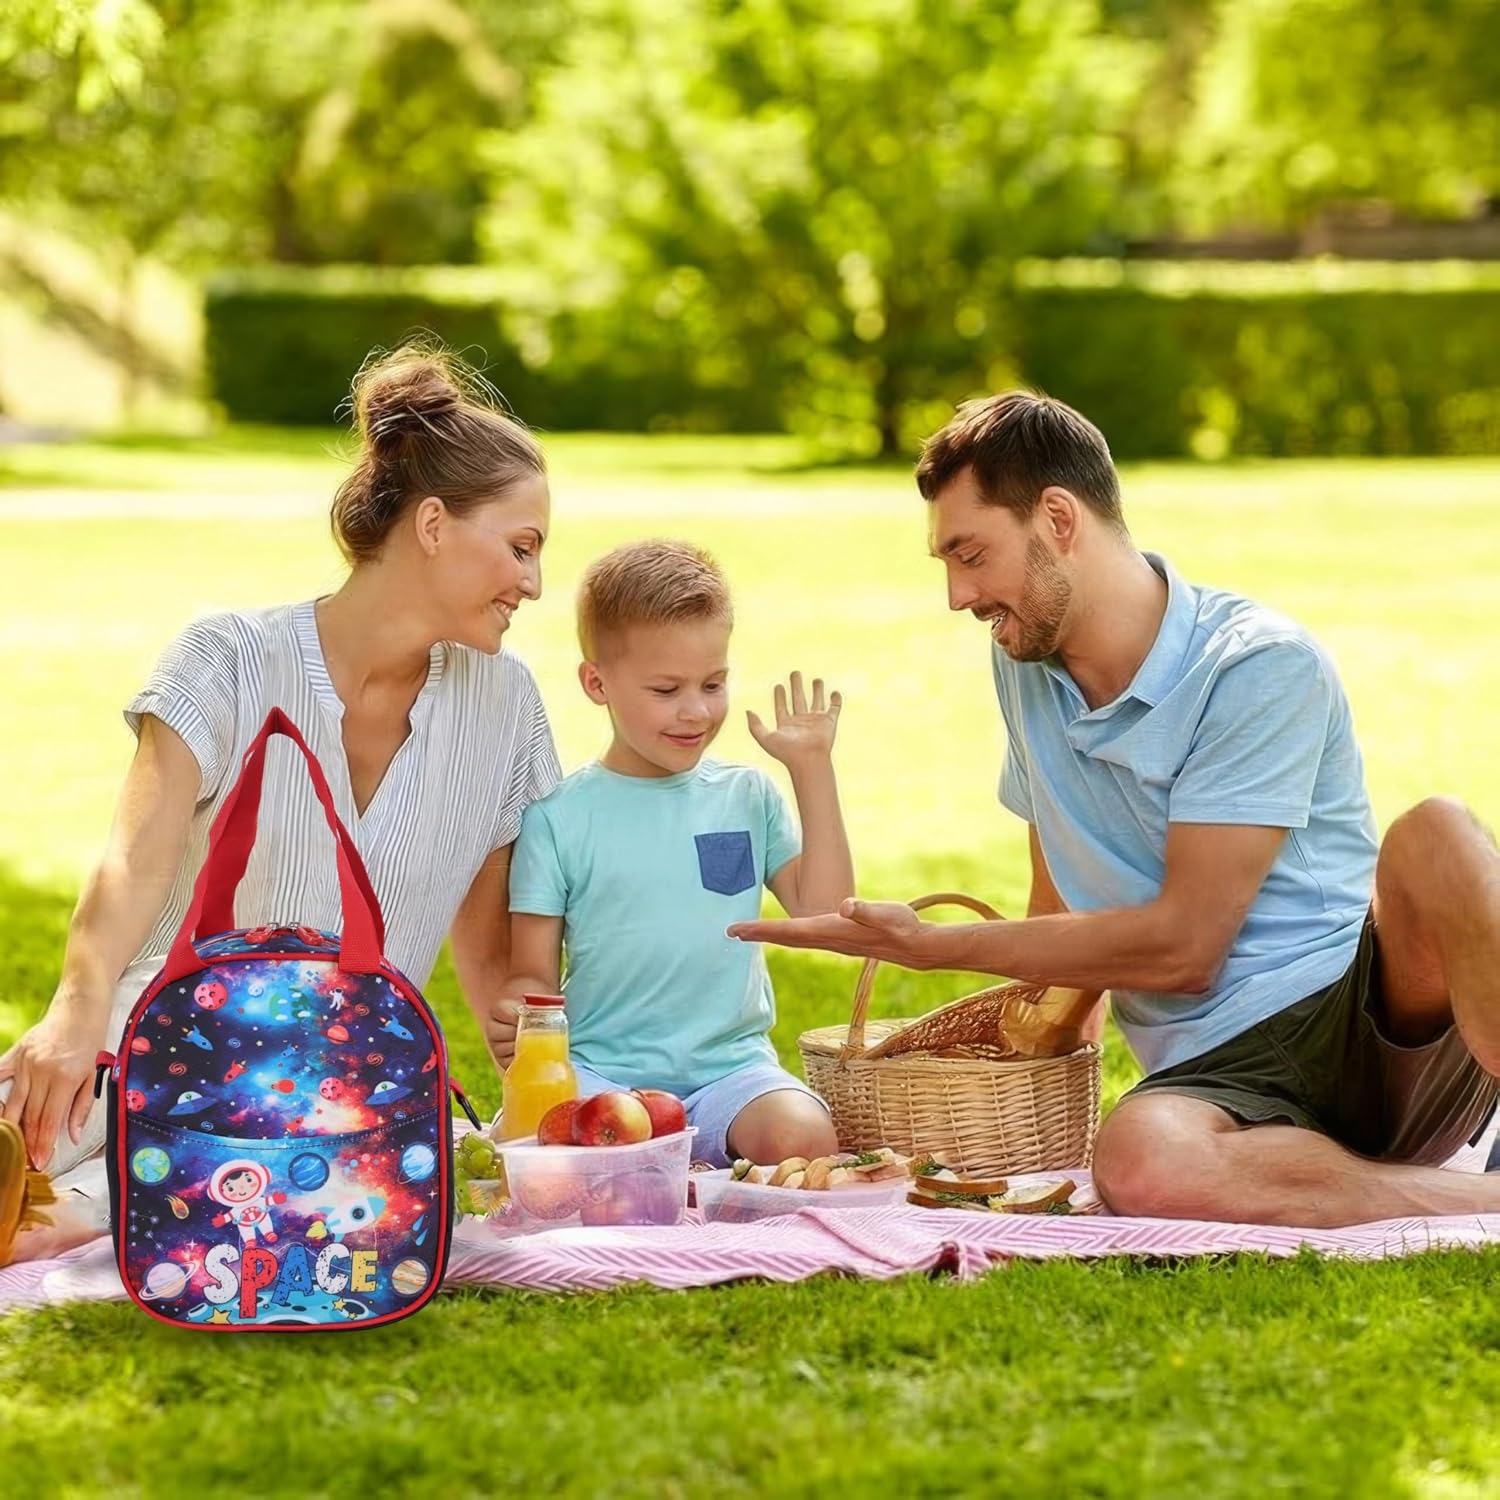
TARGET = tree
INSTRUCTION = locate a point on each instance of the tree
(252, 130)
(827, 194)
(102, 49)
(1300, 105)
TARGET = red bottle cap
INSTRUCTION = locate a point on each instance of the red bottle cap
(544, 1000)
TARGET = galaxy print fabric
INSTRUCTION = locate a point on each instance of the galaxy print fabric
(284, 1154)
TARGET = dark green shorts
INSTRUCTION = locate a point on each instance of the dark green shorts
(1324, 1063)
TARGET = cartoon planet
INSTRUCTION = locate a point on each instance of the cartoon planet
(308, 1171)
(140, 1045)
(191, 1102)
(135, 1100)
(166, 1279)
(409, 1277)
(417, 1162)
(150, 1164)
(178, 1207)
(337, 1033)
(331, 1088)
(284, 1086)
(385, 1092)
(210, 995)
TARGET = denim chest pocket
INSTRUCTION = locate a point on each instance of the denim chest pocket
(726, 862)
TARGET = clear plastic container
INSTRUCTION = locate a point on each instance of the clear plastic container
(540, 1074)
(723, 1200)
(560, 1187)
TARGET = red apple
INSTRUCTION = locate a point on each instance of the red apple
(556, 1128)
(612, 1119)
(666, 1111)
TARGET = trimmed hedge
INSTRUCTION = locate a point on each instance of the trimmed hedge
(283, 343)
(1170, 359)
(1263, 359)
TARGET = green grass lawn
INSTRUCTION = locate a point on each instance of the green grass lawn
(1226, 1378)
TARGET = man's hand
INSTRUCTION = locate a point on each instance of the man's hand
(888, 930)
(51, 1068)
(805, 733)
(500, 1031)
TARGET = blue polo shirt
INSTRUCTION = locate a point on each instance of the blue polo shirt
(1235, 716)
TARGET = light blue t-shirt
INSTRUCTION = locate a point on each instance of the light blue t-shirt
(646, 874)
(1235, 716)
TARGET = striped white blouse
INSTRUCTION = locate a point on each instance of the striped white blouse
(480, 749)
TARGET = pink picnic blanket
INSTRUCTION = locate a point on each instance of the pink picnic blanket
(874, 1242)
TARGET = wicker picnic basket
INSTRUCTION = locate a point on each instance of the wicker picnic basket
(951, 1085)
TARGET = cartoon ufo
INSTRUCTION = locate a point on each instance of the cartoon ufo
(191, 1102)
(385, 1092)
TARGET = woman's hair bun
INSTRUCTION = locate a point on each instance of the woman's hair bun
(402, 395)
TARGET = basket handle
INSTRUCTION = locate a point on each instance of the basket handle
(854, 1044)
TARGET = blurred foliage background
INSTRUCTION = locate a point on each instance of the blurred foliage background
(828, 217)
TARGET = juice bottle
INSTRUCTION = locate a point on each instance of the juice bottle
(540, 1074)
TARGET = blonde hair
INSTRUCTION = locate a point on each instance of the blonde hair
(429, 424)
(654, 582)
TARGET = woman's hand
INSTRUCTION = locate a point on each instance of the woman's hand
(51, 1073)
(806, 732)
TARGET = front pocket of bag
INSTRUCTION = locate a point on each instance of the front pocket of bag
(332, 1230)
(726, 862)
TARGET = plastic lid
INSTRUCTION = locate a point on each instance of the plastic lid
(544, 1001)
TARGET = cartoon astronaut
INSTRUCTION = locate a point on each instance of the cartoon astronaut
(243, 1187)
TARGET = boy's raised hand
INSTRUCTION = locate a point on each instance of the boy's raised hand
(804, 732)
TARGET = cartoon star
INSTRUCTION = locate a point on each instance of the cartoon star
(220, 1315)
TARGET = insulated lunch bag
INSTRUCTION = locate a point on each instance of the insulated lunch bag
(280, 1133)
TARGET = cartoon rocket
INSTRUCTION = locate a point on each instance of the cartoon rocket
(346, 1218)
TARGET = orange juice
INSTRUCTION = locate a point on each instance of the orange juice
(540, 1074)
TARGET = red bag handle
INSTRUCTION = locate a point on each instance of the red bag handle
(218, 907)
(230, 842)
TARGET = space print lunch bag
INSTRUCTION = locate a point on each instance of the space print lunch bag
(280, 1131)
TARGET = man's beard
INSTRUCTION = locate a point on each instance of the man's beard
(1043, 605)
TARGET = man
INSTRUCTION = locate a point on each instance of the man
(1318, 1015)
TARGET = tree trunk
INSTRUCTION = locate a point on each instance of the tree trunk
(129, 345)
(888, 409)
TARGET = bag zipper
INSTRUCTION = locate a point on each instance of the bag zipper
(278, 1143)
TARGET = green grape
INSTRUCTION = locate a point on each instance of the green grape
(477, 1154)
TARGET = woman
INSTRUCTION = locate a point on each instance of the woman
(433, 741)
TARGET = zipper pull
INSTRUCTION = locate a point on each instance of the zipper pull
(463, 1100)
(103, 1062)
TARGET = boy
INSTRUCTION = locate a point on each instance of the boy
(637, 863)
